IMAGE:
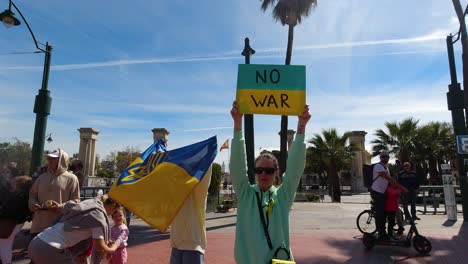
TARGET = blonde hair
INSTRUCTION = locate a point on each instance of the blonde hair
(268, 155)
(106, 200)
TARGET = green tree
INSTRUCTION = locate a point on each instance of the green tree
(335, 153)
(17, 151)
(290, 13)
(215, 183)
(399, 139)
(434, 145)
(117, 161)
(124, 157)
(315, 164)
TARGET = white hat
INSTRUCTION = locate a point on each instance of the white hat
(54, 154)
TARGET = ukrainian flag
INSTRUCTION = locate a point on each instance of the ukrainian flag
(155, 186)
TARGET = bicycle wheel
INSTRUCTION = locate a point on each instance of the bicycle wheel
(366, 222)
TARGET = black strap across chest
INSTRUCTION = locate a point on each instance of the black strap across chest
(264, 223)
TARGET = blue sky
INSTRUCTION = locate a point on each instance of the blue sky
(125, 67)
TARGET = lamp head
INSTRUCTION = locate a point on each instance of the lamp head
(9, 19)
(49, 138)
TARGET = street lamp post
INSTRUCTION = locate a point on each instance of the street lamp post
(456, 104)
(43, 100)
(249, 123)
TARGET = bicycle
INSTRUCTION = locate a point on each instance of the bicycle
(365, 221)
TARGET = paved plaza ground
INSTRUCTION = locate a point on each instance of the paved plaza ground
(320, 233)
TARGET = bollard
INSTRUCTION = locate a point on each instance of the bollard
(449, 193)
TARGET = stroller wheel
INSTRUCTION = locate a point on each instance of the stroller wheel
(369, 240)
(422, 245)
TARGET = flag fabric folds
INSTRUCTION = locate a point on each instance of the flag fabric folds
(225, 145)
(155, 186)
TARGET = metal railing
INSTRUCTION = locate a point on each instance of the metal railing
(433, 195)
(91, 192)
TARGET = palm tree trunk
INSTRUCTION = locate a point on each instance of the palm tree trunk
(335, 192)
(404, 157)
(434, 174)
(290, 44)
(284, 119)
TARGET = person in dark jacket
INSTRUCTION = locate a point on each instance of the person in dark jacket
(408, 179)
(13, 214)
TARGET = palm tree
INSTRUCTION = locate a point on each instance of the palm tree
(315, 164)
(434, 144)
(398, 140)
(336, 154)
(288, 12)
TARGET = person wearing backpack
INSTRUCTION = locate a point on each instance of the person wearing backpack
(380, 180)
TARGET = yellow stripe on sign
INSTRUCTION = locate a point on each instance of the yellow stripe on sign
(279, 102)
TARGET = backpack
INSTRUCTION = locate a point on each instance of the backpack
(367, 173)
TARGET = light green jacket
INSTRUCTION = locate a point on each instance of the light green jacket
(251, 246)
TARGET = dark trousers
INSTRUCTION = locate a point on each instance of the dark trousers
(391, 222)
(409, 200)
(379, 203)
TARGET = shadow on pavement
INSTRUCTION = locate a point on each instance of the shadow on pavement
(447, 247)
(219, 226)
(220, 217)
(449, 223)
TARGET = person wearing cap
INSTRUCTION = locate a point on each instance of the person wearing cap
(56, 185)
(380, 180)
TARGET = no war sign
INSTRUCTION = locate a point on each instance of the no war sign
(271, 89)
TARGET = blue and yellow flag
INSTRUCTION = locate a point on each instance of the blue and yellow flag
(155, 186)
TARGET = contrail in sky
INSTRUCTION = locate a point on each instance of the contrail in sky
(230, 56)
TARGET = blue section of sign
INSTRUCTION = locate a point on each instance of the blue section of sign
(462, 144)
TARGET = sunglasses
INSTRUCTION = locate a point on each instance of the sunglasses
(267, 170)
(386, 157)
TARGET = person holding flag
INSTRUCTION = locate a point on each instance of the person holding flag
(189, 247)
(262, 230)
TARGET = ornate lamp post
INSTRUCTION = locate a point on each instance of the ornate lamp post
(43, 100)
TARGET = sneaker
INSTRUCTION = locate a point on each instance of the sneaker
(400, 230)
(416, 218)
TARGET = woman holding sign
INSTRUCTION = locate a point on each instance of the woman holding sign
(262, 231)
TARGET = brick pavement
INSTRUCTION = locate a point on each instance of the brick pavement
(320, 233)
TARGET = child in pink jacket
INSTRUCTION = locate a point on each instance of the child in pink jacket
(119, 235)
(391, 207)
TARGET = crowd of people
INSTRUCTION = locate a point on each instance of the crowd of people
(63, 229)
(67, 230)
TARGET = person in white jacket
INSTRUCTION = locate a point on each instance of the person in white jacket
(188, 229)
